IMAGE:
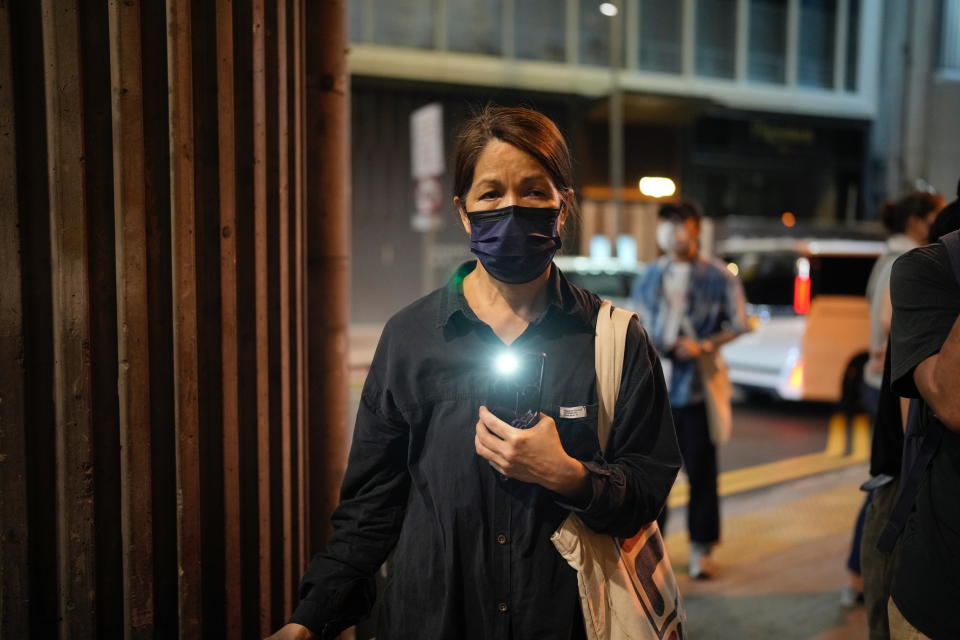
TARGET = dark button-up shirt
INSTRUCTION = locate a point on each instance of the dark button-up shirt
(473, 557)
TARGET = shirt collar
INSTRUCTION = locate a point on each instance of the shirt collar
(564, 298)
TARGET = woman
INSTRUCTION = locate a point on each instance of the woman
(467, 501)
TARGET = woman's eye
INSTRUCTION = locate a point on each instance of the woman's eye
(488, 195)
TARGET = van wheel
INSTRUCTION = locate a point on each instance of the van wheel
(851, 400)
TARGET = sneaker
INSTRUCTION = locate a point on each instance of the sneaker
(850, 597)
(701, 564)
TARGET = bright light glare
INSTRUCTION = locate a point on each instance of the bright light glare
(507, 363)
(788, 219)
(733, 268)
(609, 9)
(796, 376)
(657, 187)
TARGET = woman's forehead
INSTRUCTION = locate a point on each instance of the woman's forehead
(501, 161)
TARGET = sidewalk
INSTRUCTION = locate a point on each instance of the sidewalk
(781, 565)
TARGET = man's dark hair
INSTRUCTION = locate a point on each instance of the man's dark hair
(947, 220)
(680, 209)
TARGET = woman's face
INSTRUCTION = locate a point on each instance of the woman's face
(506, 176)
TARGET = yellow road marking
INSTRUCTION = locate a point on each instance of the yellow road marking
(832, 457)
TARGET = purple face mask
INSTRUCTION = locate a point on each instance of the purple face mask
(515, 244)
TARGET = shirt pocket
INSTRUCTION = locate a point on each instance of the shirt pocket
(577, 427)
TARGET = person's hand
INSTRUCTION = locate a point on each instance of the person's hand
(876, 357)
(292, 631)
(530, 455)
(687, 349)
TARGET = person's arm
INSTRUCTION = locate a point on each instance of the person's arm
(936, 379)
(631, 481)
(338, 588)
(733, 322)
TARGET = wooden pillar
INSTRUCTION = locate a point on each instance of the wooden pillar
(133, 384)
(327, 140)
(262, 312)
(186, 367)
(76, 564)
(232, 501)
(14, 538)
(299, 283)
(286, 374)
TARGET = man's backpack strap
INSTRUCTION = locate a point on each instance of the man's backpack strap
(930, 440)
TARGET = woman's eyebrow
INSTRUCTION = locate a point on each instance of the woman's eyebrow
(493, 182)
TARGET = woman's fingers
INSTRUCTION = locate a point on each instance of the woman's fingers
(496, 460)
(495, 425)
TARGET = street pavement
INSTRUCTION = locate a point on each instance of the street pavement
(789, 497)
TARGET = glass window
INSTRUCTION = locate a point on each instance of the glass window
(540, 30)
(715, 42)
(766, 58)
(950, 37)
(355, 19)
(474, 26)
(404, 23)
(661, 29)
(594, 43)
(853, 44)
(815, 59)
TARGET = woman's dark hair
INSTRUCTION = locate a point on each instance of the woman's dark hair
(526, 129)
(916, 204)
(947, 220)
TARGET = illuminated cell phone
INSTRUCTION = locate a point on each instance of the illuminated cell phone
(516, 387)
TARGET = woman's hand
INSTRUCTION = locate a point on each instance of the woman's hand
(532, 455)
(292, 632)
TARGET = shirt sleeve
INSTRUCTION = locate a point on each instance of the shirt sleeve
(734, 304)
(338, 588)
(645, 295)
(926, 301)
(631, 482)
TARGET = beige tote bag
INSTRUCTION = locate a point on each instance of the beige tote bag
(717, 390)
(627, 587)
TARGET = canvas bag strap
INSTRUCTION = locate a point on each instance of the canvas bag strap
(610, 342)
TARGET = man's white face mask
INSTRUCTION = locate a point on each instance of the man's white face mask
(672, 237)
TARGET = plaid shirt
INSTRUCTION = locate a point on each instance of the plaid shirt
(715, 302)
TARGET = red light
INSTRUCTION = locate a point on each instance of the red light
(801, 294)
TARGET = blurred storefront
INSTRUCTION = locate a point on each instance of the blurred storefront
(752, 107)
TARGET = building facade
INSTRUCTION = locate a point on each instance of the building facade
(753, 107)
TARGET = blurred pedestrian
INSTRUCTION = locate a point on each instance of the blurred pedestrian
(691, 306)
(925, 366)
(908, 221)
(467, 501)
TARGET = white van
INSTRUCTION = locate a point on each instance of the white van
(808, 306)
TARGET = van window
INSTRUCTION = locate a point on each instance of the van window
(767, 276)
(840, 275)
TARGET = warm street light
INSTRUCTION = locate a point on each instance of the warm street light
(609, 9)
(657, 187)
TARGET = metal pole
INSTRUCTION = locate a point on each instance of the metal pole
(616, 128)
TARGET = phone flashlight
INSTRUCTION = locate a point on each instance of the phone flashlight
(516, 387)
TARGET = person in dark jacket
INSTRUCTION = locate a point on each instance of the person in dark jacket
(466, 501)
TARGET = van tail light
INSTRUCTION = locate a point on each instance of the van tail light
(801, 294)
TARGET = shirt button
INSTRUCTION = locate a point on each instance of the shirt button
(501, 539)
(502, 607)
